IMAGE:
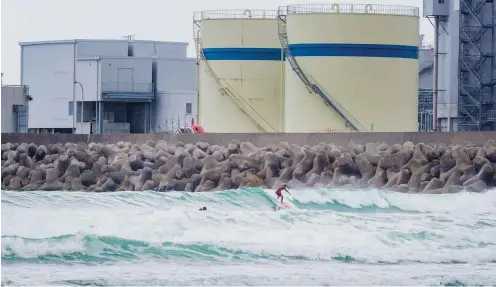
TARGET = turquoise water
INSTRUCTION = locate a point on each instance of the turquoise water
(335, 237)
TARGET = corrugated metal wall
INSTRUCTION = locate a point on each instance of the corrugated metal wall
(87, 75)
(12, 96)
(158, 49)
(48, 70)
(101, 48)
(171, 50)
(141, 69)
(176, 75)
(173, 105)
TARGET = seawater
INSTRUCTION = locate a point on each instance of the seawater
(332, 237)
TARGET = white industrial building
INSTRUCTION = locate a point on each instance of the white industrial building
(15, 101)
(463, 64)
(126, 85)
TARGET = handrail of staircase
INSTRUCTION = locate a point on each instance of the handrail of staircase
(235, 96)
(336, 105)
(314, 86)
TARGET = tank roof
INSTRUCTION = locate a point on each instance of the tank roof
(97, 40)
(375, 9)
(235, 14)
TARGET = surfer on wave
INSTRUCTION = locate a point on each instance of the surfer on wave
(279, 191)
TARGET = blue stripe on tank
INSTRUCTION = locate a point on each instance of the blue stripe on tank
(354, 50)
(242, 54)
(313, 50)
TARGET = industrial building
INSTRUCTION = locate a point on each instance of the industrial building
(279, 72)
(464, 64)
(15, 101)
(125, 85)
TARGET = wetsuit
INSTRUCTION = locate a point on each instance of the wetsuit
(279, 192)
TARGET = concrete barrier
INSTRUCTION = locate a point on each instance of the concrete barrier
(261, 139)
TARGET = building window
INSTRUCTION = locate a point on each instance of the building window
(189, 108)
(71, 108)
(440, 1)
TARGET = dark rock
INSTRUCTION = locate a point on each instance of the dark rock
(478, 186)
(365, 168)
(15, 183)
(52, 182)
(434, 183)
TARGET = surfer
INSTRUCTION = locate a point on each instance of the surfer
(279, 191)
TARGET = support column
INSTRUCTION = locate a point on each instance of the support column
(100, 117)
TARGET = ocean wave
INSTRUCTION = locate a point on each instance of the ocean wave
(257, 199)
(94, 249)
(130, 238)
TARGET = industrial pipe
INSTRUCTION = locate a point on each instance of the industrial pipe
(82, 104)
(436, 73)
(199, 52)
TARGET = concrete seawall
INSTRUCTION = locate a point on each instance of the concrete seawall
(261, 139)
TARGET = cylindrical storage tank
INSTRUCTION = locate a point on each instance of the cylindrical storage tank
(363, 57)
(239, 77)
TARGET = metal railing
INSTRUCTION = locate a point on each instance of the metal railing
(311, 84)
(425, 121)
(235, 14)
(127, 87)
(491, 115)
(172, 126)
(226, 89)
(396, 10)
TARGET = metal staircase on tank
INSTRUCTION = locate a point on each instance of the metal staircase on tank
(474, 99)
(226, 89)
(310, 83)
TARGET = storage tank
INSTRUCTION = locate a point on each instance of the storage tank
(240, 88)
(350, 67)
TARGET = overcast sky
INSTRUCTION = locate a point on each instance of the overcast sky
(166, 20)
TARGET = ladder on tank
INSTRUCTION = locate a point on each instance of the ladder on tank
(226, 89)
(310, 83)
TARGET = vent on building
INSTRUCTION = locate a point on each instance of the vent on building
(189, 108)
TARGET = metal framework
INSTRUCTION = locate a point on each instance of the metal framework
(173, 126)
(425, 110)
(223, 86)
(476, 82)
(310, 83)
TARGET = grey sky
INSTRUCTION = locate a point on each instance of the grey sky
(36, 20)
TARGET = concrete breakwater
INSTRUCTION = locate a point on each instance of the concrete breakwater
(259, 139)
(201, 166)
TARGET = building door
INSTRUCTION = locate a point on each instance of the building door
(125, 79)
(21, 123)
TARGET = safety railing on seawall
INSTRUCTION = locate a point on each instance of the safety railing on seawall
(172, 125)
